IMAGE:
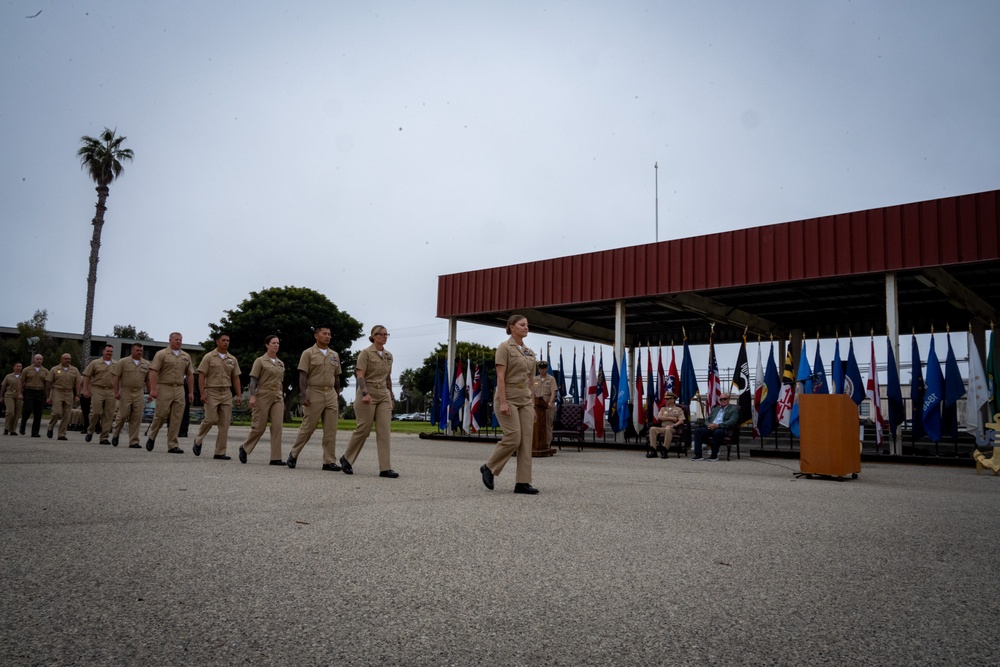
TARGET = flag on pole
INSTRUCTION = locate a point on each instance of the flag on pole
(613, 418)
(661, 380)
(854, 386)
(639, 416)
(477, 397)
(562, 379)
(584, 381)
(623, 397)
(977, 395)
(714, 381)
(769, 397)
(486, 400)
(874, 395)
(917, 392)
(457, 395)
(602, 395)
(758, 391)
(436, 399)
(954, 389)
(934, 394)
(467, 404)
(651, 407)
(689, 382)
(573, 391)
(673, 380)
(837, 370)
(445, 392)
(819, 385)
(803, 385)
(741, 384)
(787, 396)
(588, 412)
(894, 393)
(993, 398)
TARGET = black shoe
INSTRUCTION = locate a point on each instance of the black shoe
(62, 437)
(135, 446)
(524, 487)
(243, 455)
(391, 474)
(36, 435)
(114, 441)
(175, 450)
(88, 437)
(346, 467)
(331, 466)
(222, 457)
(13, 433)
(104, 442)
(663, 452)
(196, 448)
(21, 430)
(487, 476)
(49, 432)
(278, 462)
(291, 461)
(650, 453)
(149, 445)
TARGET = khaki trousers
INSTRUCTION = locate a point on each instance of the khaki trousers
(380, 414)
(169, 406)
(14, 407)
(102, 406)
(550, 418)
(218, 410)
(517, 429)
(130, 407)
(668, 435)
(62, 407)
(270, 407)
(323, 405)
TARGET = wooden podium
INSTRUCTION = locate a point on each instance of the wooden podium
(828, 435)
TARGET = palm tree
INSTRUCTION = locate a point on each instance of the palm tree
(102, 158)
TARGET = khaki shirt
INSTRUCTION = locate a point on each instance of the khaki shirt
(172, 369)
(519, 371)
(544, 387)
(219, 372)
(34, 378)
(270, 375)
(10, 387)
(322, 370)
(378, 370)
(670, 415)
(64, 379)
(99, 373)
(131, 373)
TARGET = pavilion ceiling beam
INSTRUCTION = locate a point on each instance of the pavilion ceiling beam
(958, 294)
(720, 312)
(567, 328)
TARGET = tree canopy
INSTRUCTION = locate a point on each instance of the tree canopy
(129, 331)
(421, 380)
(290, 313)
(20, 349)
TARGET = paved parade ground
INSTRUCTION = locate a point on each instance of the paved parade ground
(114, 556)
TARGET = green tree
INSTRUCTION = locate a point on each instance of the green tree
(129, 331)
(102, 158)
(421, 381)
(34, 338)
(290, 313)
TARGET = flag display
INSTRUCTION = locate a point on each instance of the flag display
(934, 393)
(854, 386)
(436, 399)
(673, 380)
(486, 402)
(457, 395)
(872, 391)
(714, 381)
(573, 391)
(661, 380)
(894, 393)
(977, 395)
(602, 395)
(741, 384)
(767, 418)
(613, 418)
(689, 382)
(917, 392)
(623, 397)
(954, 389)
(639, 416)
(467, 403)
(819, 384)
(787, 396)
(837, 370)
(588, 412)
(993, 397)
(651, 407)
(758, 392)
(477, 397)
(562, 379)
(803, 385)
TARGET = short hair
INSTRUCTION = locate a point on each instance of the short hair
(269, 338)
(514, 319)
(220, 335)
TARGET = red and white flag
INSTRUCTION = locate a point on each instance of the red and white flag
(592, 389)
(874, 395)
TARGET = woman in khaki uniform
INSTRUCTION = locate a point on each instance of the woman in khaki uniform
(515, 372)
(374, 373)
(10, 391)
(267, 400)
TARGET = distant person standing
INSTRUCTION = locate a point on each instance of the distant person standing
(373, 403)
(544, 392)
(97, 386)
(32, 389)
(63, 392)
(319, 386)
(267, 400)
(217, 374)
(515, 371)
(130, 381)
(10, 389)
(167, 373)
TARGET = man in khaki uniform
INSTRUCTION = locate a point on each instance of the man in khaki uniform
(319, 386)
(97, 386)
(10, 389)
(217, 372)
(129, 380)
(167, 373)
(544, 388)
(669, 416)
(32, 392)
(63, 391)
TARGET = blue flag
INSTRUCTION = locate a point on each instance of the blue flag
(573, 391)
(486, 402)
(623, 395)
(436, 400)
(562, 379)
(917, 391)
(819, 384)
(583, 377)
(803, 380)
(837, 370)
(894, 392)
(613, 407)
(954, 389)
(689, 382)
(445, 392)
(766, 417)
(934, 393)
(854, 386)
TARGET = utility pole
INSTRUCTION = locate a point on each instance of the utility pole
(656, 172)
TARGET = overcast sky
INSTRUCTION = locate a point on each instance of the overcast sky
(364, 148)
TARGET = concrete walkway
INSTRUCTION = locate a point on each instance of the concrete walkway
(115, 556)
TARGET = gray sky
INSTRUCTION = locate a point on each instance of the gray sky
(363, 148)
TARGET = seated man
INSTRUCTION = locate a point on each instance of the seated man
(719, 419)
(669, 416)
